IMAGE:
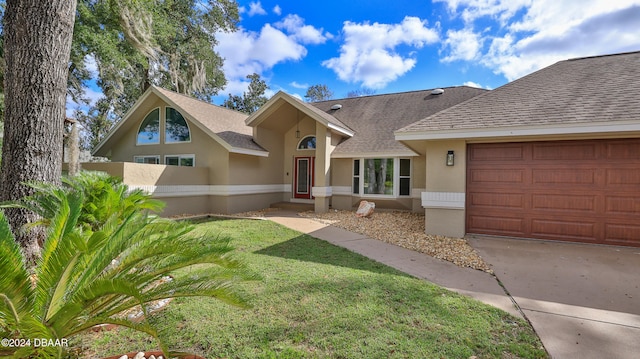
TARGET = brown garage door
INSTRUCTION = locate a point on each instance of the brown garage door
(581, 191)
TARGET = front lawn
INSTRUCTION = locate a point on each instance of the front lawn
(316, 300)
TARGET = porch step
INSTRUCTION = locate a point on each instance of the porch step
(290, 206)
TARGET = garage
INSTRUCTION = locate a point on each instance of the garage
(581, 191)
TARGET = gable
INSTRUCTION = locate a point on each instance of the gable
(223, 125)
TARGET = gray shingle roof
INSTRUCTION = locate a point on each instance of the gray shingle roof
(571, 92)
(375, 118)
(227, 124)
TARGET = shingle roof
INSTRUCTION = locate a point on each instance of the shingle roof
(227, 124)
(571, 92)
(324, 114)
(375, 118)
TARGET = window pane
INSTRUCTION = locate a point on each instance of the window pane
(303, 175)
(176, 127)
(186, 161)
(356, 185)
(307, 143)
(149, 131)
(405, 186)
(171, 161)
(405, 167)
(378, 176)
(356, 167)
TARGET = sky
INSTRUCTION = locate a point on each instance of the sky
(385, 46)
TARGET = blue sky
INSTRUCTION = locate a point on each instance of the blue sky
(401, 45)
(404, 45)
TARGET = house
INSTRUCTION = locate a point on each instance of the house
(554, 155)
(202, 158)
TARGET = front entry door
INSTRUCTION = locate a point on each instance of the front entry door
(303, 180)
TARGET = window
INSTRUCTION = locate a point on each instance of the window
(356, 176)
(176, 128)
(307, 143)
(382, 176)
(180, 160)
(154, 160)
(149, 131)
(378, 176)
(405, 177)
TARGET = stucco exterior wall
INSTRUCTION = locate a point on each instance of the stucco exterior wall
(444, 197)
(186, 205)
(138, 174)
(208, 153)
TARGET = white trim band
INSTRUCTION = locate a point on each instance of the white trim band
(211, 190)
(342, 191)
(452, 200)
(321, 191)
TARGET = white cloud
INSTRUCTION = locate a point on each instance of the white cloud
(472, 84)
(369, 54)
(299, 85)
(246, 52)
(534, 34)
(277, 10)
(472, 10)
(255, 8)
(306, 34)
(464, 45)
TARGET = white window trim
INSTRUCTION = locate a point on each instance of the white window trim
(192, 156)
(164, 132)
(396, 178)
(306, 149)
(157, 157)
(159, 128)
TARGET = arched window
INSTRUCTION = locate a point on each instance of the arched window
(176, 128)
(307, 143)
(149, 131)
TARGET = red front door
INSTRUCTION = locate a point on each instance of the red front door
(303, 180)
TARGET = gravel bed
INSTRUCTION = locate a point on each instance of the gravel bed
(406, 230)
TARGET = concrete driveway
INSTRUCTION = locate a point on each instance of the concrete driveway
(582, 300)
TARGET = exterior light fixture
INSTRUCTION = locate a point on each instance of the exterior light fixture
(297, 124)
(450, 158)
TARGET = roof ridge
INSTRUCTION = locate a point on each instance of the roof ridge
(395, 93)
(603, 55)
(198, 100)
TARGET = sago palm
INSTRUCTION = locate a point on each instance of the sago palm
(93, 269)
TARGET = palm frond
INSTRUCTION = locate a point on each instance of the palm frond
(104, 253)
(15, 286)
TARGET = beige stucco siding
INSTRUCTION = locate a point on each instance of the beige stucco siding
(445, 188)
(138, 174)
(252, 170)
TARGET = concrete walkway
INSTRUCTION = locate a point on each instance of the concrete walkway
(567, 329)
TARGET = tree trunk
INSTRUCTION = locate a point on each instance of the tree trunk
(37, 45)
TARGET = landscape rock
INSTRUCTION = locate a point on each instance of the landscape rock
(365, 209)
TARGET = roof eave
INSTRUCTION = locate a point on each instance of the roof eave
(523, 131)
(126, 116)
(246, 151)
(375, 154)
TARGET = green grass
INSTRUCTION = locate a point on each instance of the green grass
(316, 300)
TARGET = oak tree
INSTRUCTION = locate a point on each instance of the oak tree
(37, 44)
